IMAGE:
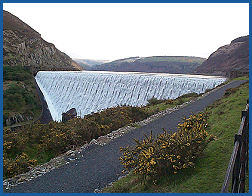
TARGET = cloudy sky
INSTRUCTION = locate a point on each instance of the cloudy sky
(114, 31)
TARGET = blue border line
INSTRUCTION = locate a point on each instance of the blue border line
(89, 1)
(125, 1)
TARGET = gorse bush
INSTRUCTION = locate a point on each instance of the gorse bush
(40, 142)
(117, 117)
(21, 163)
(167, 152)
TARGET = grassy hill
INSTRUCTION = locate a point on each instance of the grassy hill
(154, 64)
(88, 64)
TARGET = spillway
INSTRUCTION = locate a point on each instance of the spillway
(92, 91)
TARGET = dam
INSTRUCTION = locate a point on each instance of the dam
(93, 91)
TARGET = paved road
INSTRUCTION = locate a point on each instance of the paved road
(100, 165)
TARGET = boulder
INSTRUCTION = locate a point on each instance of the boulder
(70, 114)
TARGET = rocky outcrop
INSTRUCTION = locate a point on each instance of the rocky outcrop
(230, 60)
(23, 46)
(70, 114)
(18, 118)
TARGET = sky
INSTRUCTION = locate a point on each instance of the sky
(110, 31)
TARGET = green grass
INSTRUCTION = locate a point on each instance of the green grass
(135, 125)
(165, 104)
(209, 172)
(241, 78)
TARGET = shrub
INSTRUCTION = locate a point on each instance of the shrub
(154, 101)
(14, 142)
(44, 141)
(167, 152)
(169, 101)
(180, 101)
(230, 91)
(21, 163)
(16, 73)
(189, 95)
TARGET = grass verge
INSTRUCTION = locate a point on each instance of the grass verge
(209, 172)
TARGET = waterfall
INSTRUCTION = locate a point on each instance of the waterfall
(92, 91)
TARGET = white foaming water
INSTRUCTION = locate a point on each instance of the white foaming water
(92, 91)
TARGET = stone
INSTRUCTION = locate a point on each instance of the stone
(70, 114)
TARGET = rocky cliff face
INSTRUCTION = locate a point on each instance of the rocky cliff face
(229, 60)
(25, 53)
(23, 46)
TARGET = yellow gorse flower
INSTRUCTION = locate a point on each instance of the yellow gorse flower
(168, 151)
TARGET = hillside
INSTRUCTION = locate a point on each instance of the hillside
(25, 53)
(231, 60)
(155, 64)
(88, 64)
(24, 46)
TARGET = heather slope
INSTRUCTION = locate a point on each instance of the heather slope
(231, 60)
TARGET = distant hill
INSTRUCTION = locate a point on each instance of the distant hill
(231, 60)
(88, 64)
(24, 46)
(155, 64)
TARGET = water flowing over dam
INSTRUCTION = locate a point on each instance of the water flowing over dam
(92, 91)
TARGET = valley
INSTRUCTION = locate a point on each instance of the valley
(107, 96)
(153, 64)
